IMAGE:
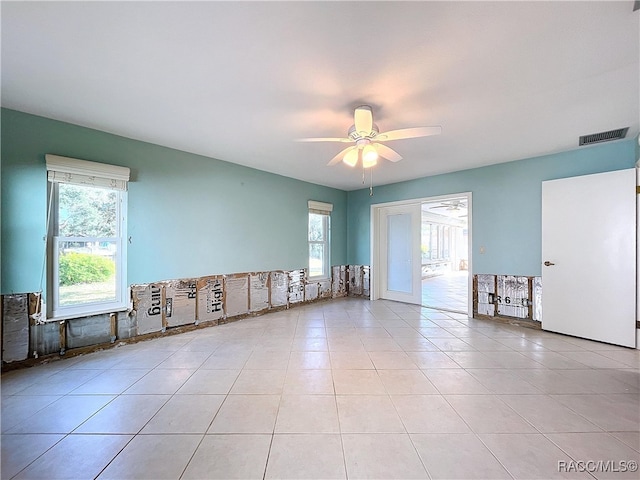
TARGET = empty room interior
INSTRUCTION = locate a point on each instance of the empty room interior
(320, 240)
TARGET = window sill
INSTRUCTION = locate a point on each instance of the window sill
(93, 313)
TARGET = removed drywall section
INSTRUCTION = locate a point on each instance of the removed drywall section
(44, 339)
(180, 302)
(279, 282)
(513, 296)
(339, 281)
(82, 332)
(148, 307)
(484, 291)
(210, 298)
(297, 280)
(236, 289)
(355, 279)
(258, 292)
(366, 281)
(15, 327)
(508, 297)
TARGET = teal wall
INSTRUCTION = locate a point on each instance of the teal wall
(189, 215)
(507, 204)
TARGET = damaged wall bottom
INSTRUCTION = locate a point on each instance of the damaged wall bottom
(166, 308)
(508, 298)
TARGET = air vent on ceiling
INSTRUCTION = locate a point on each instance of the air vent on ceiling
(603, 136)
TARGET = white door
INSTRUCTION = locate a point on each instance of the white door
(400, 258)
(589, 256)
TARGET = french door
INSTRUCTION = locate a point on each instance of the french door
(399, 253)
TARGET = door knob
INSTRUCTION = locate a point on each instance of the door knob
(548, 263)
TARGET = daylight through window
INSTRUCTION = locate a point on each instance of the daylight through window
(87, 247)
(319, 236)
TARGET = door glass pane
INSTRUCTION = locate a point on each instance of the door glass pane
(86, 271)
(399, 243)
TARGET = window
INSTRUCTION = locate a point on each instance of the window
(86, 243)
(319, 235)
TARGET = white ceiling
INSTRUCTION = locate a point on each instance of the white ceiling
(241, 81)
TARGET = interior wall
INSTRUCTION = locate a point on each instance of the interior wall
(507, 204)
(188, 215)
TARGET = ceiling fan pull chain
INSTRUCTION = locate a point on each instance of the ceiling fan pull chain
(371, 184)
(363, 171)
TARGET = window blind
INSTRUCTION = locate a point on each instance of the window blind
(320, 208)
(83, 172)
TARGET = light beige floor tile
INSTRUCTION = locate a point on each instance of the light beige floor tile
(110, 382)
(406, 382)
(428, 414)
(368, 414)
(381, 345)
(455, 382)
(461, 456)
(551, 382)
(18, 451)
(125, 414)
(631, 439)
(210, 382)
(305, 344)
(222, 360)
(547, 414)
(599, 447)
(277, 359)
(152, 456)
(76, 457)
(308, 382)
(229, 457)
(392, 361)
(351, 361)
(160, 382)
(185, 360)
(306, 456)
(185, 414)
(615, 413)
(358, 382)
(309, 360)
(502, 381)
(488, 414)
(246, 414)
(267, 382)
(529, 456)
(64, 415)
(18, 408)
(61, 383)
(418, 344)
(432, 360)
(307, 414)
(381, 456)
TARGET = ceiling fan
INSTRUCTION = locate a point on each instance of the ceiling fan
(367, 138)
(452, 205)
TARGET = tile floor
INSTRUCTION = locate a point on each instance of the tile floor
(448, 292)
(340, 389)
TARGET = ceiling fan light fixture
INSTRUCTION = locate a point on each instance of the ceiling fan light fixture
(369, 156)
(351, 158)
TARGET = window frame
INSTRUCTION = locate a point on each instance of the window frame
(81, 173)
(323, 209)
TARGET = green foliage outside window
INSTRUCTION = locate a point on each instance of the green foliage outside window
(76, 268)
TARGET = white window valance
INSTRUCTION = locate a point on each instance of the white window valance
(320, 208)
(83, 172)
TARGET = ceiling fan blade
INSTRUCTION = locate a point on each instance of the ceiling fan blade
(338, 158)
(387, 152)
(363, 120)
(408, 133)
(636, 5)
(325, 139)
